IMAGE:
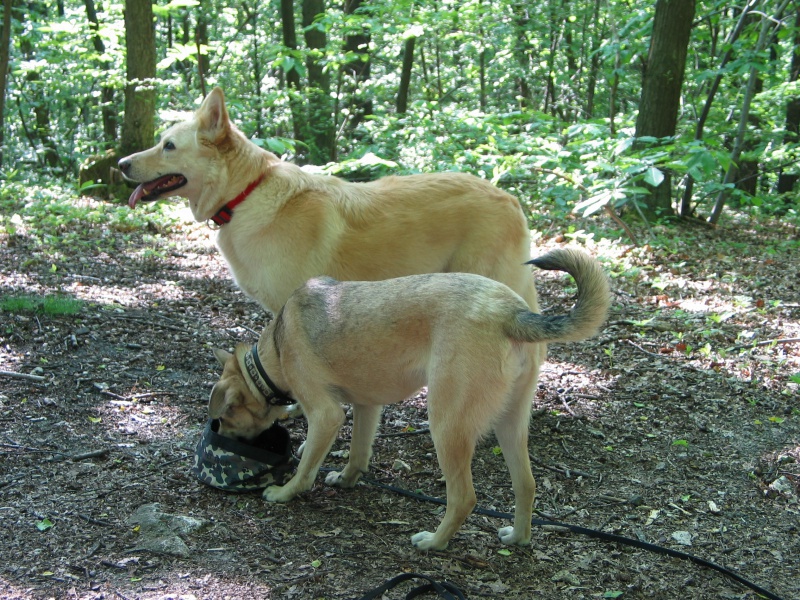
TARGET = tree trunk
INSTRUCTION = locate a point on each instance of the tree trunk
(522, 25)
(594, 62)
(786, 181)
(5, 44)
(358, 70)
(405, 75)
(292, 74)
(107, 92)
(320, 129)
(738, 143)
(661, 90)
(201, 39)
(686, 201)
(138, 126)
(41, 133)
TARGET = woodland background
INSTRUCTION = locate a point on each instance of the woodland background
(662, 137)
(680, 105)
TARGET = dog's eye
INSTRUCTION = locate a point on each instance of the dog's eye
(169, 146)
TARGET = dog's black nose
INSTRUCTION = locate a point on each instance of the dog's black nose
(125, 165)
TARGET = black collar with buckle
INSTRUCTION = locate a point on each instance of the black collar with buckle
(261, 380)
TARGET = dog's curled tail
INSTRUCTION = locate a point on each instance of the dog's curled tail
(589, 312)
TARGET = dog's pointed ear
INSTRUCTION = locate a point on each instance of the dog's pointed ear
(221, 400)
(222, 356)
(213, 116)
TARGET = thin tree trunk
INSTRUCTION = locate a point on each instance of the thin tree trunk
(321, 132)
(41, 133)
(252, 16)
(357, 70)
(107, 92)
(594, 62)
(200, 40)
(405, 75)
(738, 143)
(5, 44)
(686, 200)
(786, 181)
(521, 25)
(138, 126)
(292, 75)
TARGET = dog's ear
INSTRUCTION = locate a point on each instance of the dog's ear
(213, 116)
(222, 356)
(221, 400)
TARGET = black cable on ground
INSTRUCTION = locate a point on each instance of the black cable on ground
(600, 535)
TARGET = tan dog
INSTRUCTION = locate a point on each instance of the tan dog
(287, 226)
(375, 343)
(280, 226)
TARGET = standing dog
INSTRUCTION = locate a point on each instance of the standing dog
(280, 226)
(370, 344)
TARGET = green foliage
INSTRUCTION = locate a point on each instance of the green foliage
(540, 98)
(48, 305)
(56, 221)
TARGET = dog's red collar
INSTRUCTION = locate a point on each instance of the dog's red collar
(225, 214)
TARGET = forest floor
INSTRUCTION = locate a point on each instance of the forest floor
(676, 425)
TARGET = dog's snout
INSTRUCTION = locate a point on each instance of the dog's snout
(125, 165)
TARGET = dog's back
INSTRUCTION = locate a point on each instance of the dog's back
(395, 330)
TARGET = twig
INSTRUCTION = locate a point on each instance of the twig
(640, 349)
(31, 449)
(567, 406)
(402, 433)
(657, 325)
(15, 375)
(89, 454)
(304, 579)
(768, 343)
(563, 471)
(664, 358)
(135, 396)
(89, 519)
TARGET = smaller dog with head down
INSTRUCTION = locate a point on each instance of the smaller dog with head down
(371, 344)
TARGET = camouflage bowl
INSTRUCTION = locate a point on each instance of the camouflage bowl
(236, 466)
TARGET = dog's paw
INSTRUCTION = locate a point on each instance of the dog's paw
(425, 540)
(334, 478)
(508, 537)
(345, 479)
(294, 411)
(277, 493)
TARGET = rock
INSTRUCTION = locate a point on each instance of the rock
(684, 538)
(783, 486)
(400, 465)
(566, 577)
(161, 532)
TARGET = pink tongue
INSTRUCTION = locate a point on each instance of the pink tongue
(137, 193)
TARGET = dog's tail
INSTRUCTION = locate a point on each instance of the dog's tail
(589, 312)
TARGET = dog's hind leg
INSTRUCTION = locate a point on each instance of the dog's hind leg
(455, 428)
(512, 435)
(365, 423)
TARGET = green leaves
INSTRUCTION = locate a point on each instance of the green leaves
(44, 524)
(653, 176)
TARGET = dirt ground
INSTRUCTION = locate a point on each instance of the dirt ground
(670, 427)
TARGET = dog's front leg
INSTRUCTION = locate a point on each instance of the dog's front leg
(365, 424)
(324, 422)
